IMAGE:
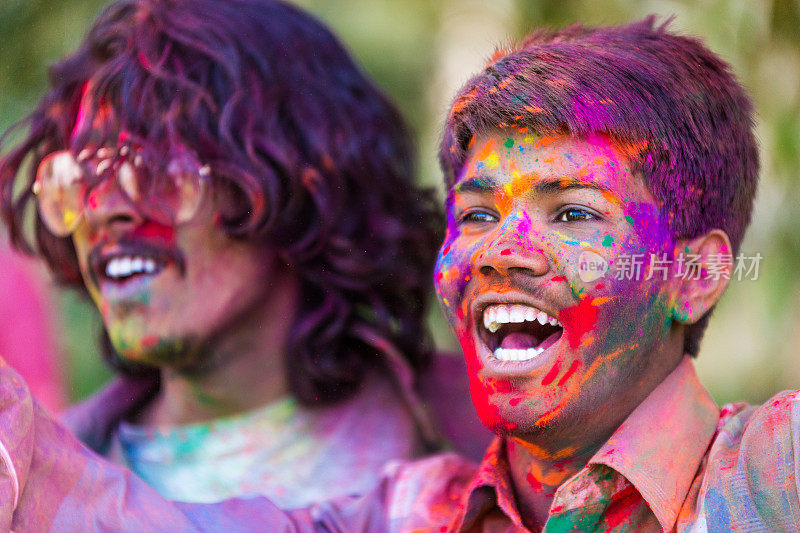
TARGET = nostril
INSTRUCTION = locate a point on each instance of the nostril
(486, 270)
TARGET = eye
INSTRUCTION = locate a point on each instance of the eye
(575, 214)
(477, 217)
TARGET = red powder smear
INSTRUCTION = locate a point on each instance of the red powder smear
(558, 278)
(507, 251)
(81, 111)
(578, 320)
(533, 482)
(92, 200)
(513, 402)
(571, 370)
(149, 341)
(599, 286)
(551, 375)
(445, 249)
(153, 230)
(143, 60)
(500, 385)
(622, 506)
(489, 414)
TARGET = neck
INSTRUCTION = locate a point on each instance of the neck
(541, 463)
(537, 472)
(242, 368)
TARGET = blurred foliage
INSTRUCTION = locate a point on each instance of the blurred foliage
(420, 51)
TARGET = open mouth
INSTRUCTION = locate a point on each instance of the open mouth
(124, 267)
(518, 332)
(124, 262)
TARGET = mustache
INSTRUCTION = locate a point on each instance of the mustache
(535, 286)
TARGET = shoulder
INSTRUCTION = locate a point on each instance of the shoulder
(752, 471)
(94, 420)
(426, 491)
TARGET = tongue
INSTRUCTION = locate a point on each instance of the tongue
(519, 341)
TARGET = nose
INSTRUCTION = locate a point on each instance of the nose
(107, 207)
(516, 247)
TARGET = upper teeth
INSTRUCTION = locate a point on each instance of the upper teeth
(496, 315)
(127, 265)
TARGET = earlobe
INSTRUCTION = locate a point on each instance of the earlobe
(683, 316)
(704, 265)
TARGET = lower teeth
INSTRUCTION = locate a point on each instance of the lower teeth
(512, 354)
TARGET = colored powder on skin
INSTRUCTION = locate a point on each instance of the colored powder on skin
(492, 161)
(571, 370)
(509, 143)
(488, 413)
(551, 375)
(608, 240)
(578, 320)
(629, 219)
(558, 278)
(153, 230)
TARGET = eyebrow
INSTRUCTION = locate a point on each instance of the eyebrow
(485, 184)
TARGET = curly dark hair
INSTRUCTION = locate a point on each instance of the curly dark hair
(319, 159)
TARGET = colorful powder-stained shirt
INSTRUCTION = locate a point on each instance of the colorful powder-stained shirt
(292, 454)
(676, 463)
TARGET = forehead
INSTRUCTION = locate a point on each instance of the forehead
(520, 160)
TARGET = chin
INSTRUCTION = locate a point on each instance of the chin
(513, 409)
(150, 349)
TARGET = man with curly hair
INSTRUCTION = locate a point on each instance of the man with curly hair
(237, 199)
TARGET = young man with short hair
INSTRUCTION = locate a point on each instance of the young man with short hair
(584, 145)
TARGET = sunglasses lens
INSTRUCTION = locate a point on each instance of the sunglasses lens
(173, 197)
(168, 201)
(60, 192)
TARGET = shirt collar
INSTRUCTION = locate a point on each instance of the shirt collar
(661, 444)
(658, 449)
(490, 488)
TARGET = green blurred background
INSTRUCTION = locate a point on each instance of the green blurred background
(420, 51)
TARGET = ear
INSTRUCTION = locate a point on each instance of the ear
(703, 267)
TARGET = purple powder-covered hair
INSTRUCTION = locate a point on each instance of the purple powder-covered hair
(320, 161)
(677, 108)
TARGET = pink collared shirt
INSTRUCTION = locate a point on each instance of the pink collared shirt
(677, 463)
